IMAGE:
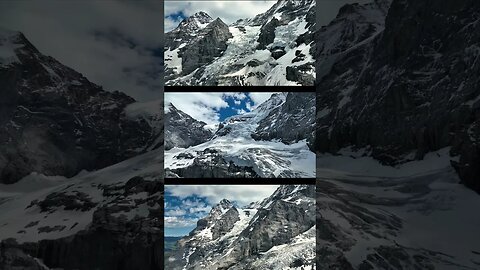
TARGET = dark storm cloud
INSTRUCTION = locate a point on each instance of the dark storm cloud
(116, 44)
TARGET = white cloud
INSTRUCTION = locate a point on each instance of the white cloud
(204, 106)
(96, 39)
(199, 105)
(258, 98)
(241, 111)
(175, 212)
(174, 222)
(249, 106)
(228, 11)
(243, 194)
(237, 102)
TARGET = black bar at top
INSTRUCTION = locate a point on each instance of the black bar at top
(239, 89)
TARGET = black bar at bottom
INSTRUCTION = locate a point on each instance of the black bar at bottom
(239, 181)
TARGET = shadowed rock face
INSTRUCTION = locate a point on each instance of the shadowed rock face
(182, 130)
(406, 90)
(54, 121)
(200, 45)
(291, 122)
(211, 43)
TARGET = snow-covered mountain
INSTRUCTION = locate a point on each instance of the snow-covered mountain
(270, 141)
(403, 84)
(181, 130)
(273, 48)
(55, 122)
(276, 233)
(81, 185)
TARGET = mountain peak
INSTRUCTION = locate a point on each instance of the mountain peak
(201, 14)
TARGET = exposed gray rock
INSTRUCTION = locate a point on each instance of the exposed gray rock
(267, 34)
(291, 122)
(181, 130)
(209, 163)
(407, 90)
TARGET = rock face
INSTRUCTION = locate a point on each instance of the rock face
(291, 122)
(197, 41)
(271, 141)
(111, 241)
(253, 237)
(181, 130)
(254, 51)
(404, 90)
(54, 121)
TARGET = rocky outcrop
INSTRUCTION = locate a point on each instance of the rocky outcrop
(291, 122)
(267, 34)
(403, 95)
(181, 130)
(197, 41)
(209, 44)
(209, 163)
(56, 122)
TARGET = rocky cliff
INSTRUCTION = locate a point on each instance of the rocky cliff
(181, 130)
(56, 122)
(403, 86)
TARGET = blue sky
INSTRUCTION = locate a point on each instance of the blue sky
(186, 204)
(213, 108)
(235, 106)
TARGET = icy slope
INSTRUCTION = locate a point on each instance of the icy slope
(232, 147)
(40, 207)
(415, 215)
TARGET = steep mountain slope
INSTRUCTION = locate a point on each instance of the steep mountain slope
(181, 130)
(55, 124)
(407, 90)
(274, 48)
(113, 217)
(54, 121)
(413, 216)
(279, 233)
(254, 144)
